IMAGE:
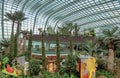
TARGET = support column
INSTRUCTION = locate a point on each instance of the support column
(2, 19)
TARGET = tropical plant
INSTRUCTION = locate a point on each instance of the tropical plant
(111, 38)
(62, 30)
(91, 32)
(28, 54)
(44, 61)
(0, 49)
(34, 67)
(5, 61)
(57, 52)
(70, 27)
(70, 64)
(5, 43)
(50, 30)
(46, 74)
(11, 17)
(92, 48)
(66, 29)
(20, 16)
(2, 75)
(12, 41)
(71, 45)
(76, 30)
(104, 73)
(15, 46)
(40, 31)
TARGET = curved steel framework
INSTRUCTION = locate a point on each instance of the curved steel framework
(98, 14)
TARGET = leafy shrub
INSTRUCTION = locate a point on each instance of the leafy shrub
(104, 73)
(3, 75)
(34, 67)
(5, 61)
(101, 64)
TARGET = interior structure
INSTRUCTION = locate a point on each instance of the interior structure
(85, 28)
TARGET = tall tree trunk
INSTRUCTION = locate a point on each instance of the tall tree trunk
(110, 63)
(71, 44)
(58, 53)
(18, 29)
(29, 46)
(17, 32)
(24, 43)
(15, 46)
(12, 32)
(44, 61)
(12, 39)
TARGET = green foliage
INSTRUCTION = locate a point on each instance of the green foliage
(66, 29)
(44, 61)
(45, 74)
(11, 17)
(16, 17)
(5, 61)
(12, 45)
(111, 38)
(65, 75)
(58, 52)
(28, 54)
(91, 48)
(34, 67)
(15, 46)
(76, 30)
(2, 75)
(71, 45)
(20, 16)
(101, 64)
(92, 32)
(70, 64)
(50, 30)
(104, 73)
(5, 43)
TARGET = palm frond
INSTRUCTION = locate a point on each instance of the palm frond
(5, 43)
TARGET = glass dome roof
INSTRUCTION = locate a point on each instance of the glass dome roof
(98, 14)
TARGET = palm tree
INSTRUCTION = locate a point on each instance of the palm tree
(58, 52)
(11, 17)
(24, 32)
(91, 32)
(69, 26)
(44, 61)
(63, 30)
(110, 38)
(20, 16)
(50, 30)
(66, 29)
(29, 46)
(71, 45)
(5, 44)
(40, 30)
(76, 30)
(92, 48)
(70, 64)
